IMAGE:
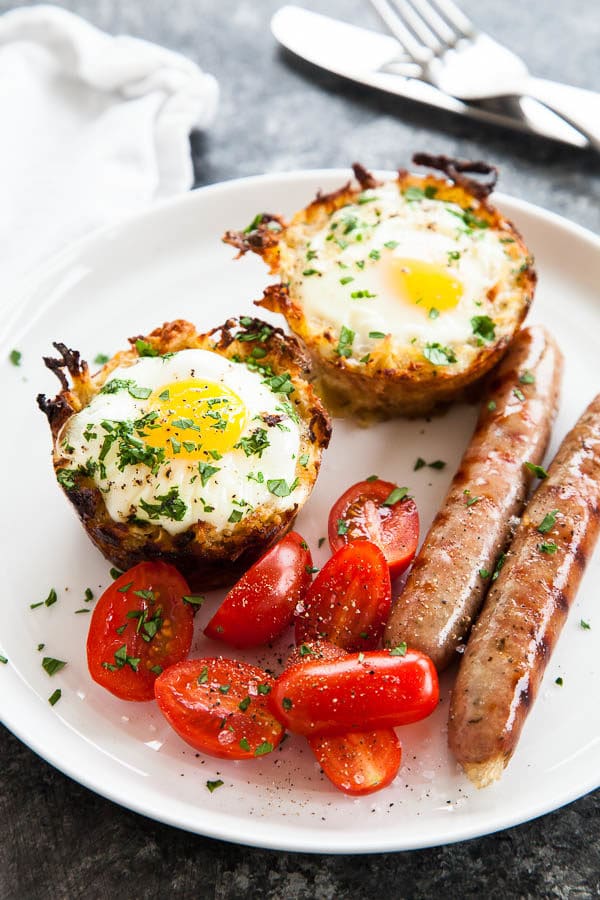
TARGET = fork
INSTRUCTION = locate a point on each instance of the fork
(470, 65)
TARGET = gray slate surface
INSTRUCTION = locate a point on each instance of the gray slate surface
(59, 840)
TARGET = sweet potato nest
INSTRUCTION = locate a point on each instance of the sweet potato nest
(394, 378)
(206, 557)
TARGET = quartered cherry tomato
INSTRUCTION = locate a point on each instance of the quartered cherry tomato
(370, 511)
(219, 706)
(360, 762)
(349, 601)
(140, 626)
(357, 763)
(359, 692)
(262, 603)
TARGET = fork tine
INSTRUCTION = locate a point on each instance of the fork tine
(455, 17)
(409, 12)
(436, 24)
(415, 49)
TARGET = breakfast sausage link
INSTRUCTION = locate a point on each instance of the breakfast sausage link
(453, 570)
(527, 606)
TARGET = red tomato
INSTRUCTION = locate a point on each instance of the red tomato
(140, 626)
(356, 763)
(360, 692)
(359, 762)
(361, 513)
(219, 706)
(349, 601)
(262, 603)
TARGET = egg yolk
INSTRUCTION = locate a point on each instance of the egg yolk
(195, 419)
(425, 284)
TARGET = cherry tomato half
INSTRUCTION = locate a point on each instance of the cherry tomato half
(262, 603)
(219, 706)
(349, 601)
(360, 692)
(360, 762)
(366, 511)
(140, 626)
(357, 763)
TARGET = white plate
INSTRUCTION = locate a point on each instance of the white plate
(170, 263)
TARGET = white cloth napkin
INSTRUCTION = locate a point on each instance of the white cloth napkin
(92, 127)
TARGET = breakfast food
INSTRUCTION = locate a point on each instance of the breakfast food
(196, 449)
(404, 291)
(527, 606)
(458, 559)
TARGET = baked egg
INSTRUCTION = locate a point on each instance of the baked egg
(198, 449)
(404, 291)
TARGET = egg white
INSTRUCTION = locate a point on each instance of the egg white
(230, 489)
(426, 230)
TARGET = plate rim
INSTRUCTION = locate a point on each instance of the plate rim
(224, 825)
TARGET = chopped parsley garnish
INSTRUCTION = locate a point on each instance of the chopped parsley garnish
(438, 355)
(280, 488)
(320, 542)
(40, 647)
(305, 650)
(244, 704)
(346, 339)
(145, 348)
(585, 625)
(453, 255)
(206, 472)
(55, 696)
(420, 463)
(538, 471)
(375, 254)
(395, 496)
(519, 394)
(235, 516)
(256, 221)
(469, 219)
(244, 744)
(122, 659)
(362, 295)
(311, 570)
(484, 327)
(213, 785)
(471, 501)
(311, 254)
(303, 460)
(547, 522)
(400, 650)
(413, 193)
(372, 478)
(52, 666)
(194, 599)
(375, 335)
(484, 573)
(265, 747)
(309, 272)
(280, 384)
(15, 357)
(559, 681)
(548, 547)
(366, 198)
(433, 313)
(224, 688)
(50, 599)
(66, 478)
(491, 405)
(126, 384)
(168, 506)
(263, 689)
(286, 703)
(3, 660)
(203, 676)
(84, 609)
(342, 527)
(527, 378)
(346, 279)
(391, 245)
(255, 444)
(101, 358)
(499, 563)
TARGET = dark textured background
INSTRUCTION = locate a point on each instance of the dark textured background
(59, 840)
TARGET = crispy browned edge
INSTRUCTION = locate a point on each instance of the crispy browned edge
(387, 389)
(204, 556)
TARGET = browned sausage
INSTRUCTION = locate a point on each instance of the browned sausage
(527, 606)
(453, 569)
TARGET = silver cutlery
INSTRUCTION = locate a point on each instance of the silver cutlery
(467, 63)
(378, 61)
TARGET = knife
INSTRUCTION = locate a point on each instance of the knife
(377, 60)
